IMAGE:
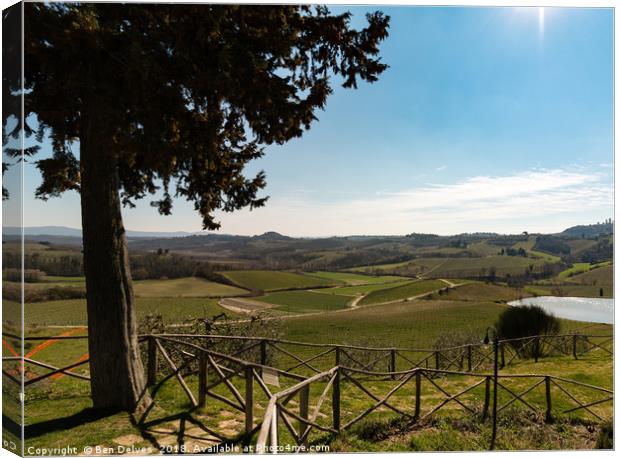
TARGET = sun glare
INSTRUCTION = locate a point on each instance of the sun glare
(541, 20)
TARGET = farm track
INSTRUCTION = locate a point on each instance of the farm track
(346, 310)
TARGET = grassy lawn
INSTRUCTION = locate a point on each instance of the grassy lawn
(61, 408)
(305, 301)
(73, 312)
(185, 287)
(401, 292)
(271, 280)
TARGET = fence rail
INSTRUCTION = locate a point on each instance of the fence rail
(296, 388)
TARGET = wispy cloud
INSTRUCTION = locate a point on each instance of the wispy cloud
(443, 167)
(530, 200)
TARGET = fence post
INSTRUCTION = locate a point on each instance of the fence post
(263, 352)
(575, 346)
(503, 356)
(152, 361)
(548, 416)
(487, 395)
(336, 397)
(304, 401)
(536, 348)
(393, 363)
(203, 376)
(436, 360)
(469, 358)
(337, 356)
(418, 386)
(249, 400)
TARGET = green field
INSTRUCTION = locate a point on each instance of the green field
(272, 280)
(402, 292)
(185, 287)
(471, 267)
(478, 291)
(577, 268)
(354, 279)
(364, 289)
(407, 324)
(380, 267)
(73, 312)
(570, 290)
(305, 301)
(600, 276)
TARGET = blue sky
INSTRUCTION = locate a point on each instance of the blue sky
(488, 119)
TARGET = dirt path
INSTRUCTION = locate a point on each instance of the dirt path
(353, 306)
(243, 305)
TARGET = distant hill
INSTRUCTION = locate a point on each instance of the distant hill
(588, 231)
(271, 236)
(63, 231)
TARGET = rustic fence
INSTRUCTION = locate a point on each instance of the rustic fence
(330, 411)
(306, 388)
(306, 357)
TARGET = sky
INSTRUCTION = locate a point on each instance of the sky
(487, 120)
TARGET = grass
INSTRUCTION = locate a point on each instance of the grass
(305, 301)
(577, 268)
(380, 267)
(355, 279)
(185, 287)
(570, 290)
(363, 289)
(472, 267)
(402, 292)
(73, 312)
(600, 276)
(271, 280)
(406, 324)
(60, 408)
(478, 291)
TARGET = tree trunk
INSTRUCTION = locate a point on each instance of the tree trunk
(116, 370)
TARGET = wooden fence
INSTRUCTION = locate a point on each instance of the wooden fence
(241, 379)
(305, 388)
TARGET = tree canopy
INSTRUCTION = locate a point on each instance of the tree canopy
(187, 95)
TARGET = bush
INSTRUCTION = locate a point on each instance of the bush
(526, 320)
(30, 275)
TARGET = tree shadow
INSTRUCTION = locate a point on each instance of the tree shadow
(83, 417)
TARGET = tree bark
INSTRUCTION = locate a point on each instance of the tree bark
(116, 369)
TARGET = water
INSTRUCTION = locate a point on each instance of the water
(591, 309)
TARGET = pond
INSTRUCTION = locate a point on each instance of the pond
(591, 309)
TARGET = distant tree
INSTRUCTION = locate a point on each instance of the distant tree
(176, 99)
(160, 251)
(492, 274)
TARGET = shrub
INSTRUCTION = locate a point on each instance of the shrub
(30, 275)
(526, 320)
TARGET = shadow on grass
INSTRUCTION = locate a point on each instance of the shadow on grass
(83, 417)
